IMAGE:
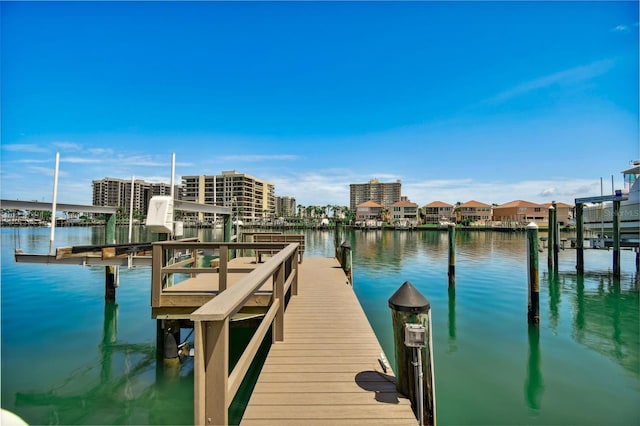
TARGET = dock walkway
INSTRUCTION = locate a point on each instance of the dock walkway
(327, 369)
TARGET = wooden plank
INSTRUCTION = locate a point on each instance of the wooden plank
(338, 412)
(328, 422)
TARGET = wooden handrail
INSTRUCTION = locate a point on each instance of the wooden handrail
(214, 388)
(231, 301)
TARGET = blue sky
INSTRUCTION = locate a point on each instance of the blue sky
(492, 101)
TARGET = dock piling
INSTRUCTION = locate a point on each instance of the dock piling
(346, 260)
(616, 238)
(411, 316)
(452, 254)
(532, 274)
(579, 240)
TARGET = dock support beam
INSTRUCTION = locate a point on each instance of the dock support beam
(551, 227)
(410, 308)
(111, 278)
(616, 238)
(532, 274)
(346, 260)
(452, 254)
(211, 372)
(579, 240)
(556, 236)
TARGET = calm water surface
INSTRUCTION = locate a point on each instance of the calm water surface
(67, 358)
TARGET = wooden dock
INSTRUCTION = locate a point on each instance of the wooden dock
(327, 369)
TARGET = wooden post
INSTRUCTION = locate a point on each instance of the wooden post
(556, 237)
(551, 230)
(452, 254)
(532, 273)
(616, 238)
(211, 372)
(579, 240)
(222, 267)
(346, 260)
(452, 312)
(278, 322)
(408, 306)
(110, 272)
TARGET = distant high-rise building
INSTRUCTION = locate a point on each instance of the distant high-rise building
(116, 192)
(285, 206)
(382, 193)
(249, 198)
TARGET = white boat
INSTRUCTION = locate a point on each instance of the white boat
(597, 217)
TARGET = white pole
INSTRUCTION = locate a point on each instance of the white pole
(133, 185)
(173, 173)
(53, 206)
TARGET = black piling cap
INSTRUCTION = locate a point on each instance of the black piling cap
(346, 244)
(408, 298)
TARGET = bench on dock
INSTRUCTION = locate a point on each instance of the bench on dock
(278, 238)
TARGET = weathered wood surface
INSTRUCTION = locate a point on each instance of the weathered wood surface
(326, 371)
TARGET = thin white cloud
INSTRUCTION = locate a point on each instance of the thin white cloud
(623, 28)
(67, 146)
(567, 77)
(80, 160)
(100, 151)
(258, 158)
(24, 148)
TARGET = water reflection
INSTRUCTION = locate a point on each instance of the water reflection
(453, 347)
(122, 387)
(534, 385)
(605, 314)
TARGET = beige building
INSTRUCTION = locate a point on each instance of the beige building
(473, 211)
(384, 194)
(404, 211)
(524, 212)
(437, 212)
(520, 212)
(115, 192)
(250, 199)
(285, 206)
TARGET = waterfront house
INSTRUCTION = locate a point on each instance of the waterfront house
(369, 210)
(438, 212)
(473, 211)
(404, 212)
(520, 212)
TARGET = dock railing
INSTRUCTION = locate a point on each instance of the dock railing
(188, 258)
(214, 387)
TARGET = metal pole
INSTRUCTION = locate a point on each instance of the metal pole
(53, 205)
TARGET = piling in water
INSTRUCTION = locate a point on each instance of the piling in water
(616, 238)
(346, 260)
(452, 254)
(411, 316)
(579, 240)
(532, 274)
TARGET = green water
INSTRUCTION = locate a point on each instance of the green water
(67, 358)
